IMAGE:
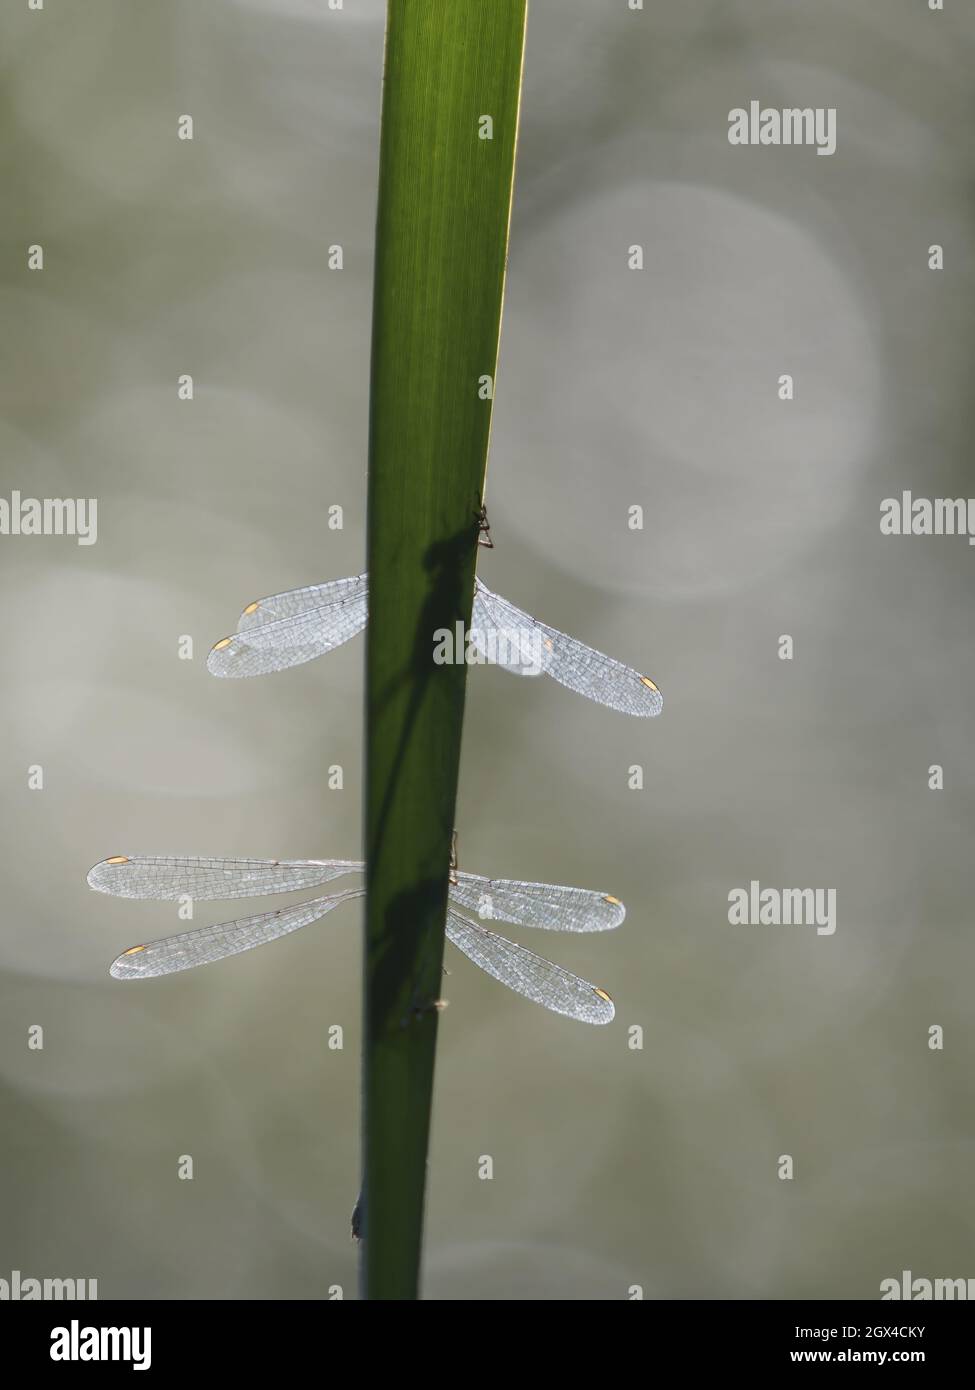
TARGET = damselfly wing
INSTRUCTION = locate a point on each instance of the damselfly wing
(290, 628)
(550, 907)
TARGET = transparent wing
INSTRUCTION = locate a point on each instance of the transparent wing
(167, 877)
(534, 977)
(276, 644)
(207, 944)
(572, 663)
(546, 905)
(295, 601)
(500, 645)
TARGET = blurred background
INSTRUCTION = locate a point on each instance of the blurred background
(614, 1166)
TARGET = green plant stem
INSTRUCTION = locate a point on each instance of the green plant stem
(441, 245)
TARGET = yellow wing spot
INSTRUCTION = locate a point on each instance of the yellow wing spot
(118, 859)
(608, 898)
(251, 608)
(645, 680)
(224, 642)
(601, 994)
(134, 951)
(547, 644)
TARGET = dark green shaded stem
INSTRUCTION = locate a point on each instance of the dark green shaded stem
(441, 245)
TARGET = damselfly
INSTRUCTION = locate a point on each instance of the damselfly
(288, 629)
(547, 906)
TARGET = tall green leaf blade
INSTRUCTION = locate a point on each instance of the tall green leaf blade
(441, 246)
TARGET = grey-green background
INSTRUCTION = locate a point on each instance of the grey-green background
(612, 1166)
